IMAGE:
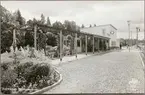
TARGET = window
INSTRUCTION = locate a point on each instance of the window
(112, 32)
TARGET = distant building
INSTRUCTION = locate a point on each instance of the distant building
(118, 42)
(106, 31)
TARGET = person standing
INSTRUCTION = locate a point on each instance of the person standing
(120, 46)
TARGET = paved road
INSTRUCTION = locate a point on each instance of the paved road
(115, 72)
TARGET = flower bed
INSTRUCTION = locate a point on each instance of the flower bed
(24, 74)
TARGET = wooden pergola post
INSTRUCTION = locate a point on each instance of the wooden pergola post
(75, 44)
(108, 44)
(98, 44)
(93, 44)
(81, 43)
(60, 35)
(35, 37)
(105, 45)
(102, 44)
(86, 43)
(14, 45)
(14, 39)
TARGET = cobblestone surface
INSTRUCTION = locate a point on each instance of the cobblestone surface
(115, 72)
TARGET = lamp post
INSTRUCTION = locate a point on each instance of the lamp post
(129, 34)
(137, 30)
(137, 37)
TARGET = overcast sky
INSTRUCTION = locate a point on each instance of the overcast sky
(86, 12)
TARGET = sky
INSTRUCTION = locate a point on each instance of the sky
(116, 13)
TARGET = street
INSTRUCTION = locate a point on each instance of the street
(115, 72)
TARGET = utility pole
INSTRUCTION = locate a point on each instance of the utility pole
(137, 30)
(129, 34)
(137, 36)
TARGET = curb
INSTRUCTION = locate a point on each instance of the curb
(141, 59)
(48, 87)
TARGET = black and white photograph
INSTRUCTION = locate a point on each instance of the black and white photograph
(77, 47)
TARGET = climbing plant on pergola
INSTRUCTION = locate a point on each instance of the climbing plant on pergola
(36, 28)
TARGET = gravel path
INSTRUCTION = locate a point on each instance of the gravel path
(115, 72)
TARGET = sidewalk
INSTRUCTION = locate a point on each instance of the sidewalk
(73, 57)
(70, 58)
(140, 53)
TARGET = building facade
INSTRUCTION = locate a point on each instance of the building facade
(106, 31)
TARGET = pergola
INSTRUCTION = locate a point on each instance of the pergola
(96, 39)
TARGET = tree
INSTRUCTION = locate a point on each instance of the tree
(13, 18)
(78, 28)
(58, 24)
(83, 26)
(48, 21)
(29, 22)
(6, 37)
(42, 19)
(29, 39)
(34, 20)
(41, 40)
(73, 26)
(7, 18)
(67, 25)
(51, 39)
(94, 25)
(19, 18)
(5, 14)
(24, 21)
(70, 25)
(21, 38)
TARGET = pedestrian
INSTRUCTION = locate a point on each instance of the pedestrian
(120, 46)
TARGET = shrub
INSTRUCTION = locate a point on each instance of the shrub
(66, 50)
(56, 54)
(36, 73)
(4, 66)
(27, 74)
(51, 39)
(8, 79)
(20, 69)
